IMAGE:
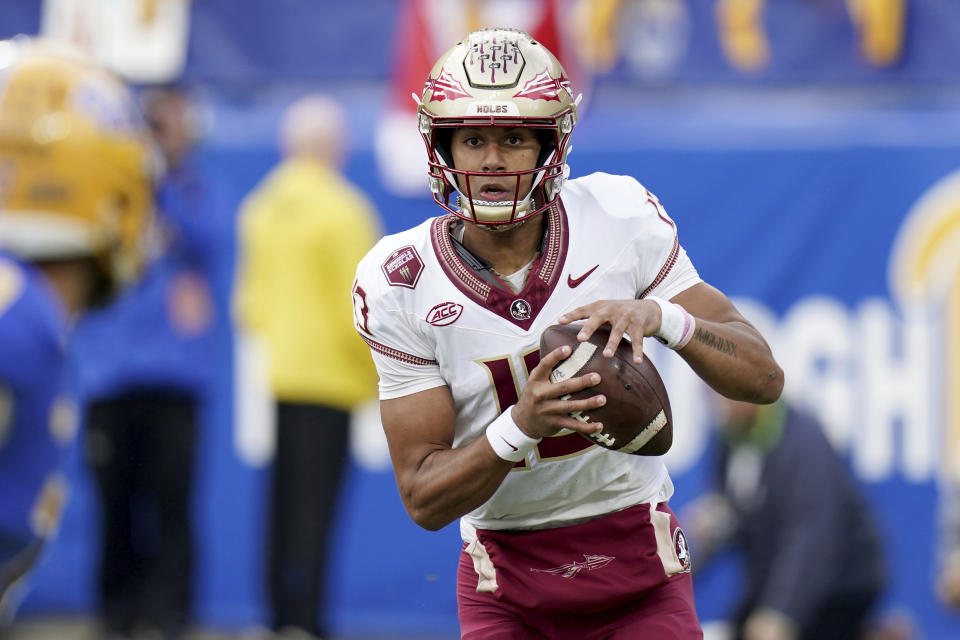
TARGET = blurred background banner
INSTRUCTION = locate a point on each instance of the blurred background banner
(740, 41)
(142, 41)
(668, 40)
(808, 150)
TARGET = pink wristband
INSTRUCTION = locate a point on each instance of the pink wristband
(676, 324)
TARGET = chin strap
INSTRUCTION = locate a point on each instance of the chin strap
(519, 210)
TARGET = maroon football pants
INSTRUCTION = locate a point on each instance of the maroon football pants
(620, 577)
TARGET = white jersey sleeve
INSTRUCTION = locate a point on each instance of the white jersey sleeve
(404, 356)
(677, 273)
(398, 378)
(680, 277)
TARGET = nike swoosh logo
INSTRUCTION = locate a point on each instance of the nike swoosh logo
(508, 444)
(573, 282)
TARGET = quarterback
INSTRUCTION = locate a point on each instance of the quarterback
(562, 538)
(75, 194)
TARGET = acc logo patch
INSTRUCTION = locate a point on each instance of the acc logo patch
(680, 546)
(444, 313)
(403, 267)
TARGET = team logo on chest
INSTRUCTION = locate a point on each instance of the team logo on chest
(444, 313)
(403, 267)
(520, 309)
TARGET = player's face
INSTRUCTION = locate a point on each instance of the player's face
(492, 150)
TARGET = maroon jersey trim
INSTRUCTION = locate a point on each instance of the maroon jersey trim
(544, 275)
(396, 354)
(665, 269)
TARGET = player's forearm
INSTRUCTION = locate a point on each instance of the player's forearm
(735, 360)
(450, 483)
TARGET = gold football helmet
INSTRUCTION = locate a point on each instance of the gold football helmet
(76, 161)
(497, 78)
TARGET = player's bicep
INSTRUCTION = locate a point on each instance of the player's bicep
(417, 425)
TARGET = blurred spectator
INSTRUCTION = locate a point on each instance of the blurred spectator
(144, 366)
(948, 580)
(785, 499)
(303, 230)
(74, 204)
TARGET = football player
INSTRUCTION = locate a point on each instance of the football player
(75, 194)
(562, 538)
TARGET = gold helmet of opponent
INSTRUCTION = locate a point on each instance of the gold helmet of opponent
(76, 162)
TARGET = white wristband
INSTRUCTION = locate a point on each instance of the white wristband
(507, 440)
(676, 324)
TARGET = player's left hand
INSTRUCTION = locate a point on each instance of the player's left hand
(635, 318)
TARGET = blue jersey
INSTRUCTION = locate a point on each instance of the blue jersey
(160, 332)
(37, 420)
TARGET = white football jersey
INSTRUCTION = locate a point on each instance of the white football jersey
(431, 320)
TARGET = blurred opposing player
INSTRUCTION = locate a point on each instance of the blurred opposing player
(562, 538)
(789, 527)
(75, 194)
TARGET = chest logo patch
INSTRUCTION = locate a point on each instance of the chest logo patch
(444, 313)
(520, 309)
(403, 268)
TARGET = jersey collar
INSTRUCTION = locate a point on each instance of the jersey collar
(520, 309)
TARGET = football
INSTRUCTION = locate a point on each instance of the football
(636, 418)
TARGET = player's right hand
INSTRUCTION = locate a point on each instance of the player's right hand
(543, 408)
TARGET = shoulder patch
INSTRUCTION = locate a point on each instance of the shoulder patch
(403, 267)
(11, 284)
